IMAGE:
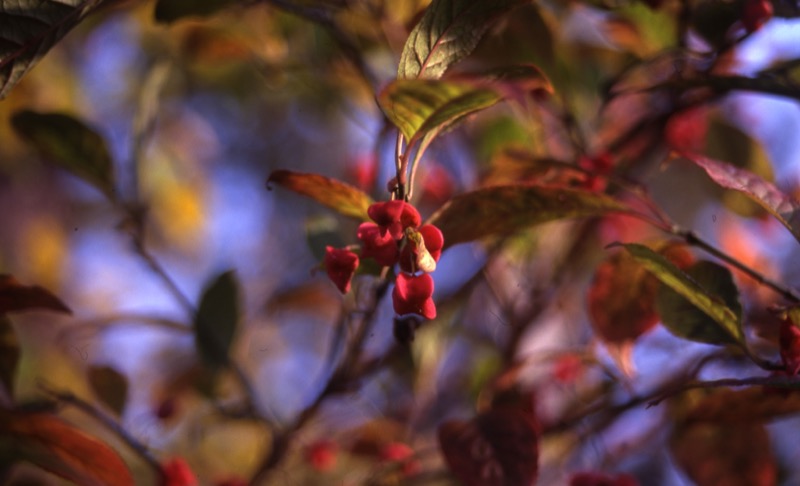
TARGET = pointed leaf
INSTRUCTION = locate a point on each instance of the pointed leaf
(341, 197)
(68, 143)
(784, 207)
(171, 10)
(110, 386)
(685, 319)
(421, 107)
(501, 210)
(705, 304)
(448, 31)
(216, 320)
(29, 28)
(60, 448)
(15, 297)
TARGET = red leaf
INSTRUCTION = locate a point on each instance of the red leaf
(15, 297)
(64, 450)
(497, 448)
(622, 300)
(332, 193)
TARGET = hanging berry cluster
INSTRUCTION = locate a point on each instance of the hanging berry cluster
(395, 236)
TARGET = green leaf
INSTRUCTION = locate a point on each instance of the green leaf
(425, 107)
(110, 386)
(322, 232)
(341, 197)
(216, 320)
(501, 210)
(29, 28)
(68, 143)
(448, 31)
(62, 449)
(171, 10)
(782, 206)
(701, 304)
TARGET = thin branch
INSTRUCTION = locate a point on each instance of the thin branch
(726, 84)
(346, 372)
(769, 381)
(693, 239)
(106, 421)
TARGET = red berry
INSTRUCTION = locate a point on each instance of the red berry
(402, 453)
(176, 472)
(756, 13)
(381, 247)
(322, 455)
(412, 295)
(341, 265)
(394, 217)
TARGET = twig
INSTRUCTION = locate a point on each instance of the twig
(770, 381)
(726, 84)
(693, 239)
(137, 238)
(106, 421)
(346, 372)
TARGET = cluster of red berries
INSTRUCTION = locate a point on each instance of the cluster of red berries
(396, 236)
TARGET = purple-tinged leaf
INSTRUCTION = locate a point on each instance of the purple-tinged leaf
(784, 207)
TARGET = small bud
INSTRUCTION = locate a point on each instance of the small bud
(176, 472)
(322, 455)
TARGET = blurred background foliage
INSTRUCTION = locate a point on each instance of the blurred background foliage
(199, 101)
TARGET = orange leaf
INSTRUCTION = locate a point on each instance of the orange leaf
(337, 195)
(64, 450)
